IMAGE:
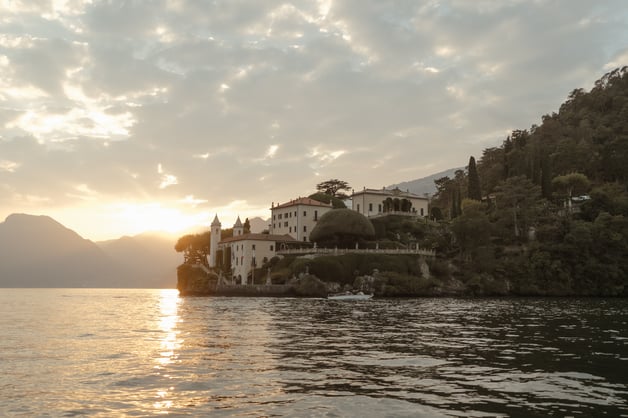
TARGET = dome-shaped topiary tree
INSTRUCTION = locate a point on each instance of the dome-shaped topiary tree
(342, 228)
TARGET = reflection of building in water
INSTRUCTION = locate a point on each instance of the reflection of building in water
(243, 252)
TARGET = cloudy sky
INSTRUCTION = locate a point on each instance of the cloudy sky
(118, 116)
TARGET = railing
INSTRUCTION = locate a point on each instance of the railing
(395, 212)
(342, 251)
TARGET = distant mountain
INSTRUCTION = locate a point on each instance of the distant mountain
(37, 251)
(425, 184)
(258, 224)
(146, 260)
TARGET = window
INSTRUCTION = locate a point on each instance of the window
(285, 224)
(280, 216)
(290, 230)
(271, 247)
(253, 247)
(358, 207)
(304, 239)
(273, 226)
(422, 212)
(291, 214)
(304, 228)
(295, 213)
(370, 207)
(316, 215)
(304, 213)
(379, 208)
(274, 217)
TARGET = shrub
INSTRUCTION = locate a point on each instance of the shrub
(343, 228)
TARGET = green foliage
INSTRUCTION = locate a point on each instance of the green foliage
(399, 228)
(394, 284)
(195, 247)
(474, 190)
(336, 203)
(333, 187)
(439, 268)
(570, 185)
(472, 229)
(344, 269)
(342, 228)
(448, 196)
(517, 205)
(582, 147)
(608, 197)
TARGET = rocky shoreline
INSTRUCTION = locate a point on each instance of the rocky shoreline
(194, 281)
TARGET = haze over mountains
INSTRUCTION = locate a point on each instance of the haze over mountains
(37, 251)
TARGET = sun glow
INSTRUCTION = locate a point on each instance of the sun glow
(138, 218)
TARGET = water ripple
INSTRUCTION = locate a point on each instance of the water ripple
(120, 352)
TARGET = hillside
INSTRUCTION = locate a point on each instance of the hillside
(554, 218)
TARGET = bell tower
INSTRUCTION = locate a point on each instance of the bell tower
(214, 239)
(238, 228)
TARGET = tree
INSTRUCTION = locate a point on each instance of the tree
(195, 248)
(491, 168)
(336, 203)
(570, 185)
(334, 187)
(247, 226)
(518, 196)
(472, 228)
(342, 227)
(474, 190)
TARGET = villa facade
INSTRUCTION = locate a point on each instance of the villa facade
(379, 202)
(242, 252)
(297, 217)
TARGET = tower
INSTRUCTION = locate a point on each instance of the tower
(238, 228)
(214, 239)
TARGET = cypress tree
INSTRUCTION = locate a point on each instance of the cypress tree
(474, 191)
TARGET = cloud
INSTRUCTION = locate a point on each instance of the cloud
(257, 101)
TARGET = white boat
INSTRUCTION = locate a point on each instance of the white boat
(349, 296)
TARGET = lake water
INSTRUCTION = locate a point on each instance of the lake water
(102, 352)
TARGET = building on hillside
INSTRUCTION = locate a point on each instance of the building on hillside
(241, 253)
(379, 202)
(297, 217)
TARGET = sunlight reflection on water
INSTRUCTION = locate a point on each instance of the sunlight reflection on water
(142, 352)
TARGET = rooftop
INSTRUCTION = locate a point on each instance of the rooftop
(302, 201)
(259, 237)
(396, 192)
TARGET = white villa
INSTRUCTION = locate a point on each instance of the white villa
(297, 217)
(291, 224)
(243, 252)
(379, 202)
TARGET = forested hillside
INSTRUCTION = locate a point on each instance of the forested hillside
(547, 211)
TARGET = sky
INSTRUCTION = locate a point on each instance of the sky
(118, 117)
